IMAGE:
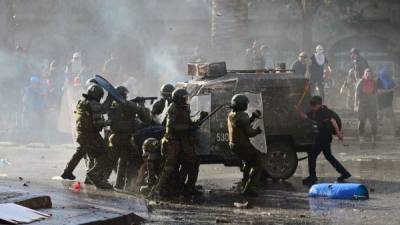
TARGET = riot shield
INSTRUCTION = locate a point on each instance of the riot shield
(256, 103)
(200, 103)
(102, 82)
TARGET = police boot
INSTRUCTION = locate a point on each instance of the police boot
(68, 175)
(248, 190)
(98, 182)
(121, 177)
(246, 174)
(71, 165)
(87, 181)
(191, 191)
(254, 176)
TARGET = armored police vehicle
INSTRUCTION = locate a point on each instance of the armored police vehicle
(276, 93)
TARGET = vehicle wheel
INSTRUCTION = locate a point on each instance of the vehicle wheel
(280, 161)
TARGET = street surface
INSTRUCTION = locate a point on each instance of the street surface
(278, 203)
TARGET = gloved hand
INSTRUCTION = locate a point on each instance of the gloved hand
(256, 114)
(203, 115)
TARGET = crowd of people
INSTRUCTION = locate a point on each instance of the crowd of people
(368, 94)
(39, 97)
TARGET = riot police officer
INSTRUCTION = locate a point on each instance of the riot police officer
(240, 130)
(166, 97)
(152, 156)
(89, 123)
(126, 118)
(178, 149)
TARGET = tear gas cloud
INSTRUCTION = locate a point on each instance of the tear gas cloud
(152, 41)
(135, 33)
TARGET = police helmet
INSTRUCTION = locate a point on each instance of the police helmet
(150, 145)
(166, 90)
(179, 96)
(239, 102)
(95, 92)
(90, 81)
(123, 91)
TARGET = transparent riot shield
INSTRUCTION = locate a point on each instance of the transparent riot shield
(198, 104)
(256, 103)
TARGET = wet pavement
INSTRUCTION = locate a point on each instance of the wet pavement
(83, 206)
(278, 203)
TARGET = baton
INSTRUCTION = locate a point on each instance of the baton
(211, 114)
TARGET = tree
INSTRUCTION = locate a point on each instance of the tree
(308, 9)
(229, 29)
(7, 25)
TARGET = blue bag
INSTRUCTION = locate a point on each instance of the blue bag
(347, 191)
(141, 135)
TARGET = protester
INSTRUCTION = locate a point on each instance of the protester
(366, 104)
(359, 63)
(386, 87)
(327, 126)
(72, 90)
(255, 56)
(259, 57)
(56, 75)
(316, 69)
(22, 64)
(34, 104)
(300, 65)
(75, 68)
(20, 79)
(348, 87)
(249, 55)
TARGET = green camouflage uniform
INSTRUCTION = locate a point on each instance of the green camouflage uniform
(153, 161)
(125, 121)
(177, 148)
(240, 130)
(89, 123)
